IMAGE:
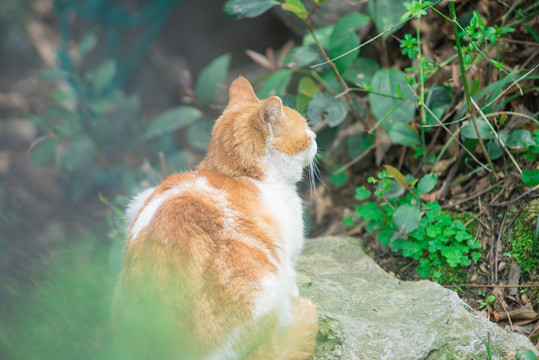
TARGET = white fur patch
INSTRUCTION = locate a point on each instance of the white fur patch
(136, 203)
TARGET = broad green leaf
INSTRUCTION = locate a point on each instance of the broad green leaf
(296, 7)
(173, 119)
(53, 74)
(210, 77)
(403, 134)
(386, 13)
(362, 193)
(423, 271)
(494, 149)
(247, 8)
(61, 113)
(60, 96)
(43, 151)
(357, 144)
(525, 354)
(426, 184)
(394, 190)
(199, 134)
(348, 221)
(344, 38)
(406, 218)
(322, 34)
(338, 178)
(468, 131)
(325, 107)
(104, 75)
(437, 99)
(276, 84)
(394, 101)
(301, 56)
(520, 139)
(399, 177)
(361, 70)
(307, 88)
(87, 44)
(385, 237)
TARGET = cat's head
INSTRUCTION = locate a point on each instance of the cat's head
(261, 139)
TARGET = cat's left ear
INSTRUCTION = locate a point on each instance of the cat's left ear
(271, 110)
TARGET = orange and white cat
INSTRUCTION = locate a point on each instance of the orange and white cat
(209, 258)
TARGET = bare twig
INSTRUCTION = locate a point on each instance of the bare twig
(496, 135)
(162, 162)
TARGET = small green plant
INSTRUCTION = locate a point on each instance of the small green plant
(414, 228)
(488, 301)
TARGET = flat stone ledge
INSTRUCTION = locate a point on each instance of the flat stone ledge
(365, 313)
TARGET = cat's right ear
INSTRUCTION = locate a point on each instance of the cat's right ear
(241, 91)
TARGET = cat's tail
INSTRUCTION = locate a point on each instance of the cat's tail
(299, 340)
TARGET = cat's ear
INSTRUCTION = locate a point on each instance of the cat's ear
(241, 91)
(271, 110)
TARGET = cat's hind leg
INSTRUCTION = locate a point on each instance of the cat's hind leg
(299, 340)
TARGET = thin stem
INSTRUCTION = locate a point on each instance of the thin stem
(422, 90)
(471, 109)
(334, 67)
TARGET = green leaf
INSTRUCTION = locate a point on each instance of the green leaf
(53, 74)
(386, 13)
(437, 99)
(338, 179)
(362, 193)
(173, 119)
(423, 270)
(60, 96)
(87, 44)
(426, 184)
(468, 131)
(348, 221)
(406, 218)
(210, 77)
(494, 149)
(361, 70)
(247, 8)
(199, 133)
(525, 354)
(403, 134)
(323, 106)
(307, 89)
(43, 151)
(520, 139)
(322, 34)
(399, 177)
(296, 7)
(385, 237)
(301, 56)
(357, 144)
(61, 113)
(276, 84)
(104, 75)
(344, 38)
(393, 101)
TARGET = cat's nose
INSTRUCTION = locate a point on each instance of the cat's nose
(311, 133)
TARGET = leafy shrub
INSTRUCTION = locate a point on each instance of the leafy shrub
(99, 137)
(414, 228)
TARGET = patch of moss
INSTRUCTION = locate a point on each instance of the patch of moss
(446, 275)
(522, 239)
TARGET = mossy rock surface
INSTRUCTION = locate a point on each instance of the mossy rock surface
(365, 313)
(522, 240)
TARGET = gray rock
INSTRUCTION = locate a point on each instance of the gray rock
(366, 313)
